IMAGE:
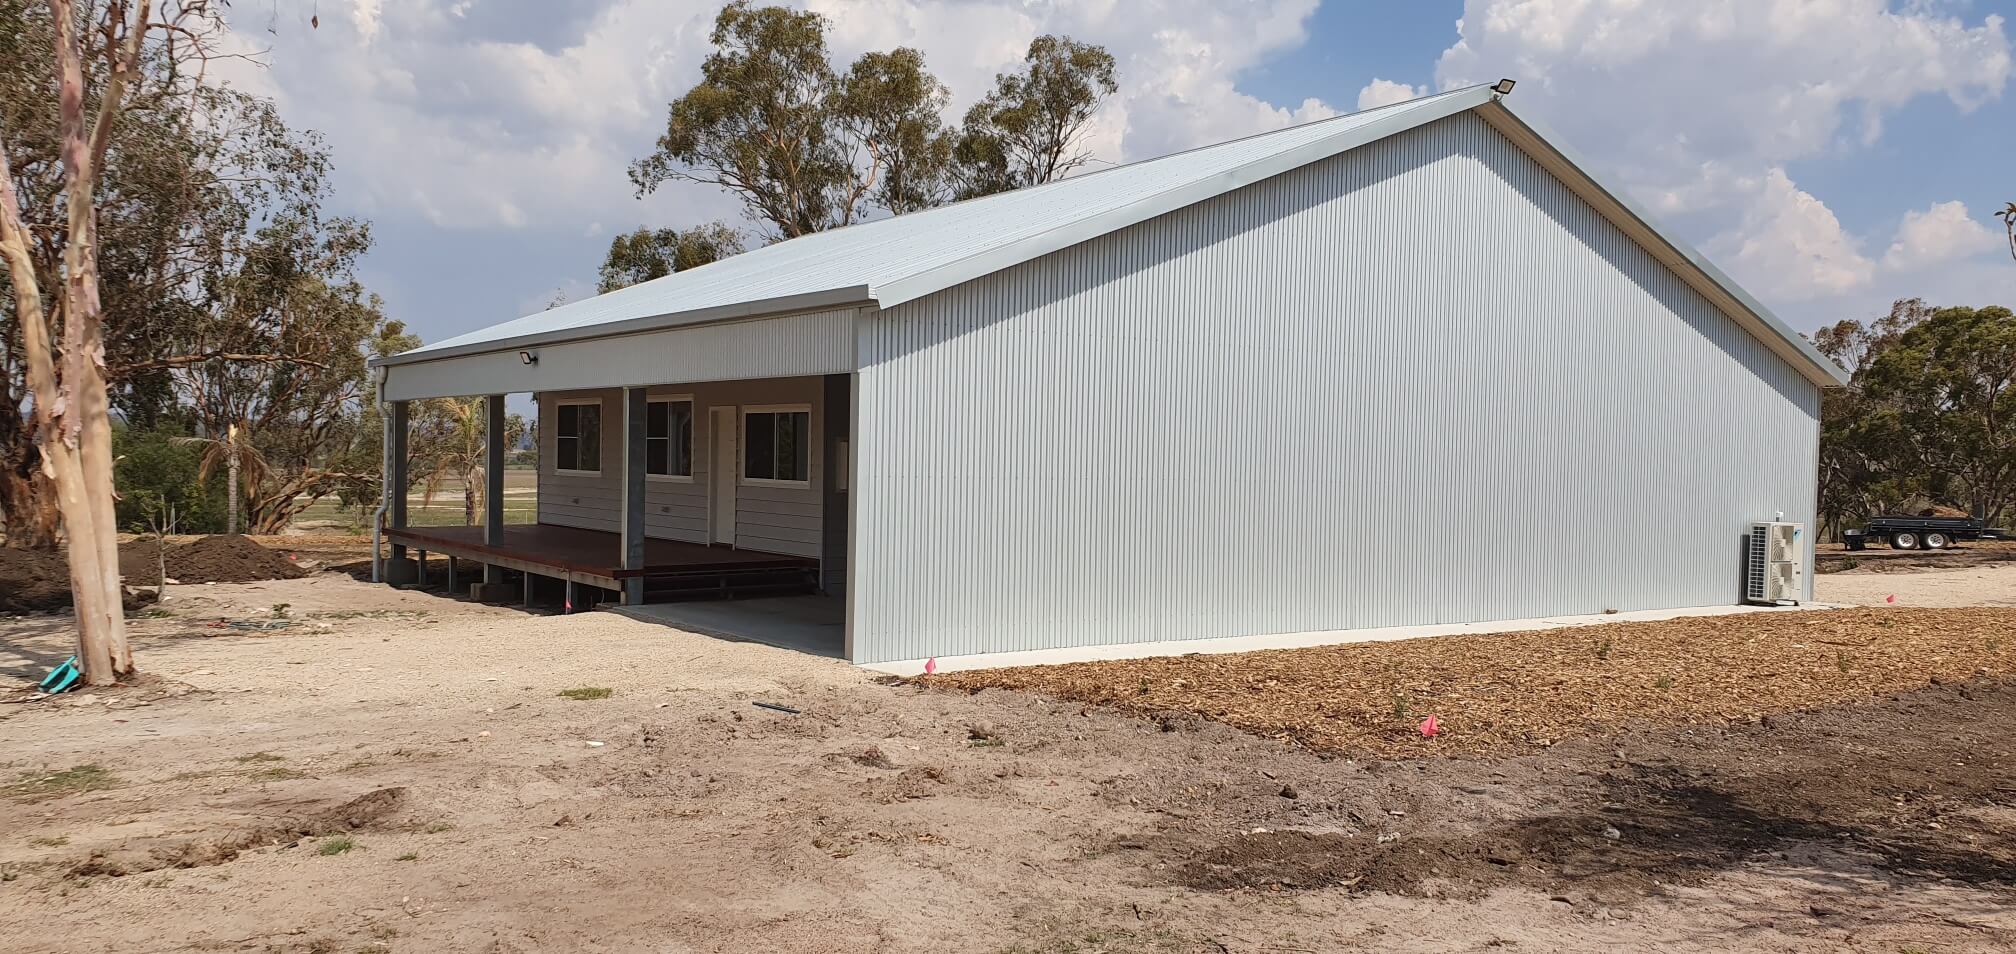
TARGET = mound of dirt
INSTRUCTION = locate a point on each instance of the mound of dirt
(32, 581)
(227, 559)
(37, 581)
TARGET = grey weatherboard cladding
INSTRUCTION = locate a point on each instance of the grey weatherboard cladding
(1418, 382)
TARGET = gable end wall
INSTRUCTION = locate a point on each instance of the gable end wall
(1420, 382)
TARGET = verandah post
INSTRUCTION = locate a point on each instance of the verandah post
(493, 478)
(636, 410)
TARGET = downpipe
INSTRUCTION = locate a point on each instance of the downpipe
(384, 476)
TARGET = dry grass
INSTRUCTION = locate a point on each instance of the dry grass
(1505, 691)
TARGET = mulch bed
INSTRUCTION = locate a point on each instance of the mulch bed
(34, 581)
(1511, 691)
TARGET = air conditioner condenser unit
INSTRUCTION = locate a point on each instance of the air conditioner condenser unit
(1775, 574)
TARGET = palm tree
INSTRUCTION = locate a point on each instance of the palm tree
(241, 461)
(458, 450)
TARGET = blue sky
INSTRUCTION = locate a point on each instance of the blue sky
(1831, 154)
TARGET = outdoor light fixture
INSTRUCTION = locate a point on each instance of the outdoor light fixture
(528, 357)
(1503, 87)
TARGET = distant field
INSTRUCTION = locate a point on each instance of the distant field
(521, 505)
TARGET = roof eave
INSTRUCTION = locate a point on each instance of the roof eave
(846, 296)
(1685, 261)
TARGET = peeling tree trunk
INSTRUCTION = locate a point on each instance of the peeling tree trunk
(71, 410)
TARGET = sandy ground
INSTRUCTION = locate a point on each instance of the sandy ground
(430, 737)
(1975, 586)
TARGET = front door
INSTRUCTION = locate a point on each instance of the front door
(721, 474)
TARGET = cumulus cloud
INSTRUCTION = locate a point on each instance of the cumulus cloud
(1750, 82)
(1941, 233)
(1698, 108)
(1791, 246)
(1382, 92)
(484, 115)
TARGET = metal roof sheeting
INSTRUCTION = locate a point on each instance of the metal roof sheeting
(861, 259)
(890, 261)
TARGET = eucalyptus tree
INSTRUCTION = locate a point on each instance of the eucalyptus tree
(807, 147)
(655, 253)
(1030, 128)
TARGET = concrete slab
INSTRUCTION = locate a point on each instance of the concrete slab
(1247, 644)
(808, 624)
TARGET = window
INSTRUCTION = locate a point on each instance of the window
(578, 437)
(777, 445)
(668, 438)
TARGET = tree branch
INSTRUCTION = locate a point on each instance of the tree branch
(184, 360)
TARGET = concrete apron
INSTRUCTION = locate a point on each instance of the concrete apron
(1245, 644)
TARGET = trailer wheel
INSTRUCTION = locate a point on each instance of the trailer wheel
(1903, 540)
(1937, 541)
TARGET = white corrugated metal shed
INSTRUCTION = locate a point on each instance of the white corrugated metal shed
(891, 261)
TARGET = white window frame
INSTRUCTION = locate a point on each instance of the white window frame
(742, 446)
(599, 415)
(692, 437)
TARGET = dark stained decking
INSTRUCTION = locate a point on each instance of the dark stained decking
(595, 552)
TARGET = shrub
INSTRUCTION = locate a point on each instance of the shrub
(153, 472)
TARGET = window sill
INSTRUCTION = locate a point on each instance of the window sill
(563, 472)
(768, 482)
(669, 478)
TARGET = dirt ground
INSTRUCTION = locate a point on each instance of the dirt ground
(1971, 586)
(363, 769)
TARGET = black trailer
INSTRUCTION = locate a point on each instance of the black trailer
(1917, 533)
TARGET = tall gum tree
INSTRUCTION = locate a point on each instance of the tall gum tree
(64, 359)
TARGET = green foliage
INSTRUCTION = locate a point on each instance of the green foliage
(1929, 417)
(758, 123)
(808, 148)
(229, 297)
(335, 846)
(894, 107)
(1027, 130)
(153, 471)
(646, 254)
(587, 693)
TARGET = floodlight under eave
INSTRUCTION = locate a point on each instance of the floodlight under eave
(528, 357)
(1504, 87)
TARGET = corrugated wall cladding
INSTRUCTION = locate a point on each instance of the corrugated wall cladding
(813, 343)
(767, 518)
(1420, 382)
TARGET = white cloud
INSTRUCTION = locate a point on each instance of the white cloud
(1698, 108)
(469, 115)
(1789, 245)
(1383, 92)
(1941, 233)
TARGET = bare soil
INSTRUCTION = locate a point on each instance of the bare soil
(36, 581)
(393, 771)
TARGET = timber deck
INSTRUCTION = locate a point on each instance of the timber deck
(672, 568)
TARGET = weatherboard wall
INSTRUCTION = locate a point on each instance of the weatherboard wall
(772, 519)
(1420, 382)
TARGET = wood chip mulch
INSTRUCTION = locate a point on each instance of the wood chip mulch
(1491, 693)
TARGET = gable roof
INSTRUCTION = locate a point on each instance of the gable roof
(890, 261)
